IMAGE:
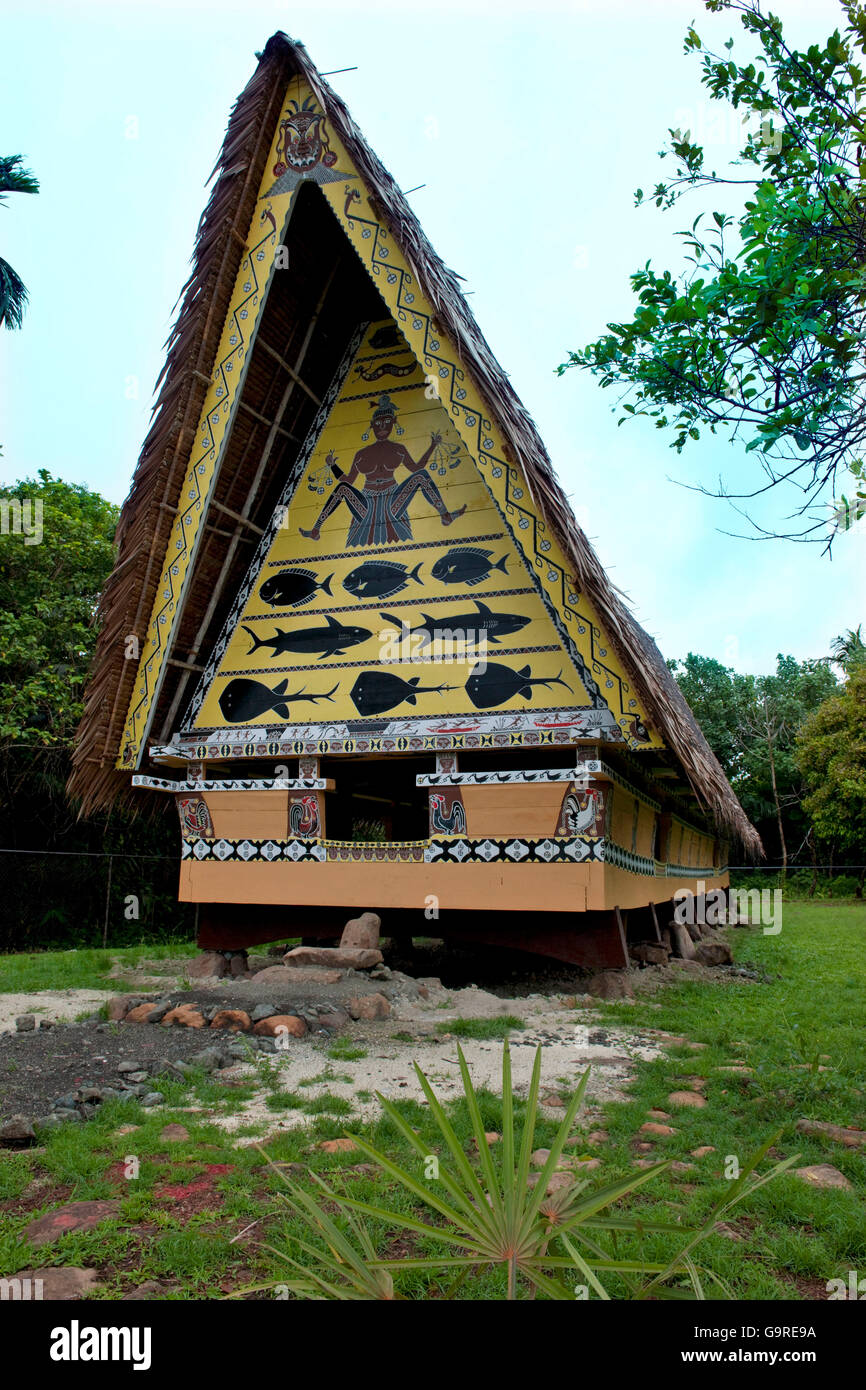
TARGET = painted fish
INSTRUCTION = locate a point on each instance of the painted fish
(291, 588)
(379, 579)
(244, 700)
(330, 640)
(465, 564)
(490, 685)
(374, 692)
(466, 627)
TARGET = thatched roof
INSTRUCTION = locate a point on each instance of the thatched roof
(147, 514)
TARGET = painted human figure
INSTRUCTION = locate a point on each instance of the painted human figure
(380, 506)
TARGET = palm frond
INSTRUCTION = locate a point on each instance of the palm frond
(14, 178)
(13, 296)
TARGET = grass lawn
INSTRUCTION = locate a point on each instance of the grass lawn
(85, 969)
(177, 1220)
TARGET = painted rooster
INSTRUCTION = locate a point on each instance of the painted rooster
(304, 816)
(580, 811)
(452, 824)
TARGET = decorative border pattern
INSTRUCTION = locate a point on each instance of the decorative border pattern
(509, 730)
(245, 784)
(458, 850)
(453, 850)
(247, 850)
(482, 779)
(620, 858)
(689, 871)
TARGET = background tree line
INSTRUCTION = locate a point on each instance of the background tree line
(54, 887)
(793, 746)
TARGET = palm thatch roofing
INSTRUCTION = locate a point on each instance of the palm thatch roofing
(148, 512)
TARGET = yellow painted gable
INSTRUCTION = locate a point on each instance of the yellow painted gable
(497, 552)
(392, 585)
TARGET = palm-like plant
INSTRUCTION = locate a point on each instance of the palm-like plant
(849, 648)
(494, 1217)
(14, 178)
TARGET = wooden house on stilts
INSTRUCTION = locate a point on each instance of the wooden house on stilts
(353, 628)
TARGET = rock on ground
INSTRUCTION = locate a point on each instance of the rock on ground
(820, 1129)
(823, 1175)
(362, 931)
(62, 1283)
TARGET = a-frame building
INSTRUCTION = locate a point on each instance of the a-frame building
(353, 628)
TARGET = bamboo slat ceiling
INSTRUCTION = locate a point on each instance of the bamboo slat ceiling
(332, 280)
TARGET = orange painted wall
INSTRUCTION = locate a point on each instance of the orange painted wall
(623, 889)
(511, 888)
(482, 887)
(513, 809)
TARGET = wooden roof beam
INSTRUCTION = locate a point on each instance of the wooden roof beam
(263, 419)
(266, 347)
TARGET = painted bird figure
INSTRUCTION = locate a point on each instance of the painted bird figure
(452, 824)
(304, 816)
(580, 812)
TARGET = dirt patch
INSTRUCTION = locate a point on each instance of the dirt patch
(36, 1068)
(54, 1004)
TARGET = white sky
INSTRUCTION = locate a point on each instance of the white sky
(530, 129)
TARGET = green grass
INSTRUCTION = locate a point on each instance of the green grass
(345, 1050)
(85, 969)
(285, 1100)
(792, 1238)
(328, 1105)
(810, 1005)
(481, 1028)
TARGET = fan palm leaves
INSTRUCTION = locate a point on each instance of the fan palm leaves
(14, 178)
(849, 649)
(490, 1212)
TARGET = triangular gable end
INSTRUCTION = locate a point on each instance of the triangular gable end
(389, 585)
(562, 638)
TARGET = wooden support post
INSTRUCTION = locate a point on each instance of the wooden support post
(620, 926)
(655, 922)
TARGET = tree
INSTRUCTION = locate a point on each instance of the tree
(14, 178)
(56, 552)
(751, 724)
(56, 884)
(849, 649)
(831, 755)
(761, 336)
(719, 699)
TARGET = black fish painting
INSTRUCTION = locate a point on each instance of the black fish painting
(490, 684)
(465, 564)
(465, 627)
(379, 579)
(292, 588)
(374, 692)
(244, 700)
(330, 640)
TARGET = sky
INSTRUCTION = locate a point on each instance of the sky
(529, 130)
